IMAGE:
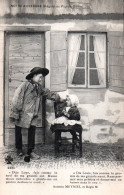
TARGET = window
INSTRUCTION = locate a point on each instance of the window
(87, 60)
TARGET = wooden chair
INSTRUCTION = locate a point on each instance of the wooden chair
(59, 128)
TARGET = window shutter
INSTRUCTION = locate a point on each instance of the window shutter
(116, 61)
(58, 61)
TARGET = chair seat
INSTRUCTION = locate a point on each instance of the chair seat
(63, 128)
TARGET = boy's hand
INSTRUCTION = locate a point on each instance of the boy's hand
(61, 100)
(13, 120)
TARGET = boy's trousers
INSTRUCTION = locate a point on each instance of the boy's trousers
(31, 138)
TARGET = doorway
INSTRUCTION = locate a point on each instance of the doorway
(23, 51)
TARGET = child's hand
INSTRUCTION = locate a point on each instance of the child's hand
(65, 113)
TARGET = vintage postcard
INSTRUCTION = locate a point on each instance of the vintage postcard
(61, 97)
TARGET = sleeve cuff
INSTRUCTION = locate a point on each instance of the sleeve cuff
(14, 115)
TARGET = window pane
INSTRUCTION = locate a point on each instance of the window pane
(92, 62)
(97, 60)
(82, 46)
(97, 77)
(79, 77)
(81, 60)
(91, 44)
(94, 77)
(97, 43)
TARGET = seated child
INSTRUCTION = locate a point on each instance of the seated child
(67, 113)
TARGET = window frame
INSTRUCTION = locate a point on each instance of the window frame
(87, 68)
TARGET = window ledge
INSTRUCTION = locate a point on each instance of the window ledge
(89, 96)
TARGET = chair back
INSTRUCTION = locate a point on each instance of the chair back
(58, 108)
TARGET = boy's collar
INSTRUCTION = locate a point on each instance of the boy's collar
(33, 82)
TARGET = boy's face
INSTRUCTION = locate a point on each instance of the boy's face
(37, 78)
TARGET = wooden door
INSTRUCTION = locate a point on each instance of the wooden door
(24, 51)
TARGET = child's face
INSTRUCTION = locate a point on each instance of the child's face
(37, 78)
(68, 101)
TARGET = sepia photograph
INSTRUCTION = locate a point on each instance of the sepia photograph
(62, 97)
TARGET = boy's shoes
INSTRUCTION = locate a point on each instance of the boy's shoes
(27, 158)
(31, 156)
(20, 153)
(34, 156)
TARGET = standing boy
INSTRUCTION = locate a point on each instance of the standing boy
(26, 105)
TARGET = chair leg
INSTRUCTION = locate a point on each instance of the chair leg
(73, 144)
(80, 143)
(56, 143)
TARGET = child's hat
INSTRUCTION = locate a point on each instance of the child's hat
(37, 70)
(63, 94)
(74, 99)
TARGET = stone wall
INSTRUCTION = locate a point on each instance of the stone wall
(56, 7)
(26, 11)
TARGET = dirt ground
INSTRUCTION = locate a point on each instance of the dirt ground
(97, 155)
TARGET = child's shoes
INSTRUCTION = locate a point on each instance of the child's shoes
(34, 156)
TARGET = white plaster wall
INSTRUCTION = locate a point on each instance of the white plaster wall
(77, 25)
(92, 131)
(104, 121)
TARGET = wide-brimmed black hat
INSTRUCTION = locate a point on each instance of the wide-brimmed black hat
(37, 70)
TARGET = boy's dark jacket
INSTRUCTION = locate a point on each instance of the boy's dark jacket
(26, 100)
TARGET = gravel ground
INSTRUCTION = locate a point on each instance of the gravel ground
(96, 155)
